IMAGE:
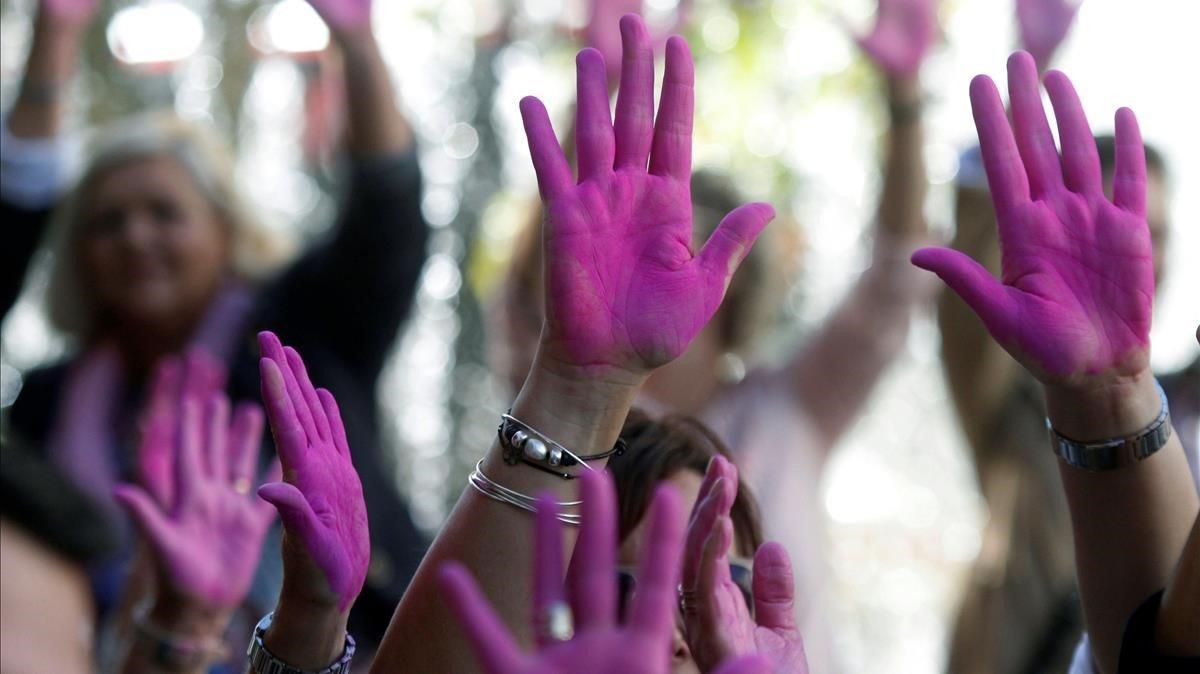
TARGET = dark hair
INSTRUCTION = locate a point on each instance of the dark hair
(661, 448)
(1106, 145)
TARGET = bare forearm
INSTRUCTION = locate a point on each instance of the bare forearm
(53, 56)
(376, 125)
(490, 538)
(902, 202)
(1129, 524)
(306, 636)
(185, 623)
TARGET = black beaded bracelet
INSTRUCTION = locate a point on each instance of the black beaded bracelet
(522, 444)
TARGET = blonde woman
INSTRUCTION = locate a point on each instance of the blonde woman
(154, 254)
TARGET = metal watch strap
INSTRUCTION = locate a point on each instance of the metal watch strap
(262, 661)
(1116, 452)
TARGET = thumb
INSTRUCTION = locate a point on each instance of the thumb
(730, 243)
(295, 512)
(149, 518)
(972, 282)
(773, 588)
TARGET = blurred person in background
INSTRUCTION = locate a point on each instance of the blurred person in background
(154, 252)
(781, 423)
(1020, 612)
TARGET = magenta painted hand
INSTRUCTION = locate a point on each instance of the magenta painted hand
(326, 544)
(904, 31)
(344, 15)
(70, 11)
(599, 644)
(1075, 301)
(1043, 25)
(198, 376)
(207, 543)
(721, 626)
(602, 32)
(625, 292)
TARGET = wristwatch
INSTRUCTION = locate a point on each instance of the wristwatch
(1116, 452)
(263, 661)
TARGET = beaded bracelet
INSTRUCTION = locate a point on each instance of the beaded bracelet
(522, 444)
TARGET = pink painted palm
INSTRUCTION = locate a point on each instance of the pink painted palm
(326, 544)
(903, 34)
(722, 627)
(1075, 299)
(208, 542)
(70, 11)
(344, 15)
(628, 293)
(1043, 25)
(599, 645)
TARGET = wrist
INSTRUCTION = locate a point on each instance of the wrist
(306, 635)
(1114, 408)
(189, 619)
(904, 98)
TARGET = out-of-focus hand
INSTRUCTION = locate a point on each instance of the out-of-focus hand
(320, 500)
(597, 645)
(68, 13)
(208, 541)
(198, 376)
(719, 624)
(603, 35)
(903, 33)
(625, 293)
(344, 16)
(1043, 25)
(1074, 302)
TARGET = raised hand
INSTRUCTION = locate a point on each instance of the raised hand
(1043, 24)
(718, 623)
(198, 376)
(625, 291)
(207, 542)
(344, 16)
(326, 543)
(1077, 289)
(71, 12)
(589, 640)
(903, 33)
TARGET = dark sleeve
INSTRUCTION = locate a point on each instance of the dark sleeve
(1137, 645)
(350, 294)
(23, 230)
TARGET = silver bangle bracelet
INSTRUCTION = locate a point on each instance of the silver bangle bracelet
(498, 492)
(1115, 453)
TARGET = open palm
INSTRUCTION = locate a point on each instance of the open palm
(1077, 288)
(320, 500)
(208, 544)
(625, 291)
(903, 33)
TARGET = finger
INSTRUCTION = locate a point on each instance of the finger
(654, 604)
(711, 474)
(634, 122)
(164, 389)
(730, 243)
(1034, 140)
(204, 374)
(189, 463)
(672, 151)
(549, 163)
(713, 507)
(272, 348)
(593, 123)
(547, 562)
(714, 572)
(150, 519)
(336, 427)
(315, 409)
(773, 588)
(216, 437)
(1007, 181)
(159, 425)
(1129, 173)
(973, 283)
(245, 442)
(1080, 159)
(290, 442)
(295, 513)
(491, 641)
(593, 583)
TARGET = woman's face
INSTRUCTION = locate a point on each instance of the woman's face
(153, 248)
(687, 483)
